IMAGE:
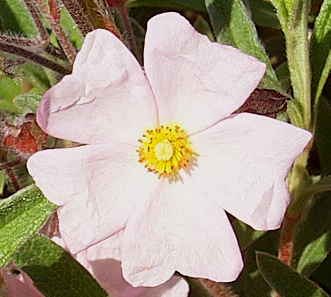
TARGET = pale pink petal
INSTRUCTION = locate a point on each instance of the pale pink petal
(242, 164)
(174, 287)
(107, 97)
(108, 248)
(180, 229)
(19, 286)
(195, 82)
(96, 187)
(102, 262)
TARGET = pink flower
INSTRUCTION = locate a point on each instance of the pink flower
(20, 286)
(103, 262)
(165, 157)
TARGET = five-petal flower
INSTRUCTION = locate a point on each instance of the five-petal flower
(173, 220)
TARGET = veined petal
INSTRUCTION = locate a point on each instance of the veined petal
(242, 164)
(106, 98)
(175, 287)
(195, 82)
(100, 260)
(96, 187)
(179, 229)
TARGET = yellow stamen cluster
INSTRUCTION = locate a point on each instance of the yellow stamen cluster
(165, 150)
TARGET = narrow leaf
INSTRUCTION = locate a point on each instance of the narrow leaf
(312, 237)
(284, 280)
(263, 14)
(16, 18)
(323, 135)
(321, 49)
(321, 186)
(225, 17)
(54, 271)
(313, 255)
(197, 5)
(21, 216)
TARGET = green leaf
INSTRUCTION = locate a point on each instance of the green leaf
(263, 14)
(225, 17)
(16, 18)
(250, 282)
(203, 27)
(293, 17)
(21, 216)
(36, 76)
(321, 186)
(196, 5)
(54, 271)
(3, 180)
(9, 88)
(312, 237)
(28, 102)
(284, 280)
(246, 235)
(320, 58)
(71, 29)
(323, 135)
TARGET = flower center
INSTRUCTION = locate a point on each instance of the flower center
(165, 150)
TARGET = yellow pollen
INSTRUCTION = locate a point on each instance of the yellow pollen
(165, 150)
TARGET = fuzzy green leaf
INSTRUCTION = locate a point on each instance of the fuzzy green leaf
(225, 17)
(203, 27)
(323, 185)
(27, 102)
(39, 77)
(312, 238)
(15, 18)
(323, 135)
(263, 14)
(71, 29)
(9, 88)
(250, 282)
(320, 57)
(196, 5)
(21, 216)
(284, 280)
(54, 271)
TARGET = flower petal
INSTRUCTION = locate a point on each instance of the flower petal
(179, 229)
(96, 186)
(107, 97)
(99, 260)
(175, 287)
(196, 82)
(20, 285)
(242, 164)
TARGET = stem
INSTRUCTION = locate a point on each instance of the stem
(10, 173)
(13, 179)
(128, 28)
(285, 252)
(68, 48)
(77, 13)
(21, 41)
(293, 17)
(216, 289)
(37, 21)
(297, 48)
(10, 164)
(18, 51)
